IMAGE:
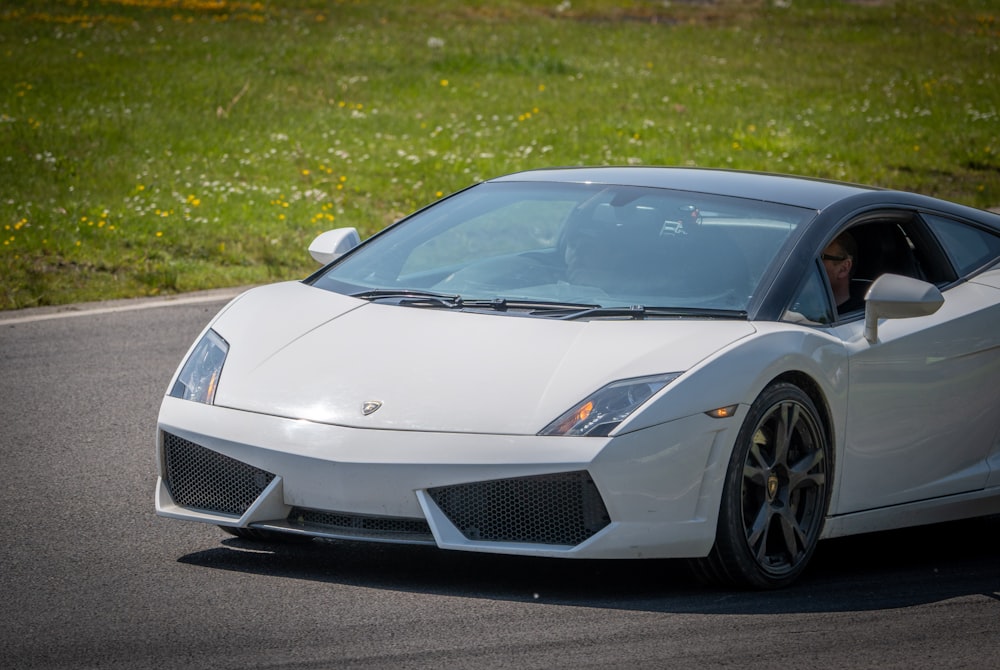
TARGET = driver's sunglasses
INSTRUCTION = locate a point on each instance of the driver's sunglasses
(831, 257)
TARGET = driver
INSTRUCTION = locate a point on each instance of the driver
(838, 259)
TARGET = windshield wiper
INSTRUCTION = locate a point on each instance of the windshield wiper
(557, 310)
(642, 312)
(421, 298)
(531, 307)
(411, 297)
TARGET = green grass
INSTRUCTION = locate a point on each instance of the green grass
(158, 146)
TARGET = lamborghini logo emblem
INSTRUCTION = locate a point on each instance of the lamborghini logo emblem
(772, 487)
(370, 407)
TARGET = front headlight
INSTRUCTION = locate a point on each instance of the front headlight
(599, 414)
(199, 377)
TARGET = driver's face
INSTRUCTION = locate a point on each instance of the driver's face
(837, 262)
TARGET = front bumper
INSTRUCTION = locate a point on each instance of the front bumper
(651, 493)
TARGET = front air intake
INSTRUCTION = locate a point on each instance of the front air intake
(563, 509)
(206, 480)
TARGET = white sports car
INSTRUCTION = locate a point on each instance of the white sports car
(608, 363)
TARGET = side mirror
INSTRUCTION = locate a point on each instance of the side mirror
(897, 297)
(333, 244)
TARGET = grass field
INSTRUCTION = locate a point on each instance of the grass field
(159, 146)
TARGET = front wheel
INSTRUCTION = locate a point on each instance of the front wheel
(776, 494)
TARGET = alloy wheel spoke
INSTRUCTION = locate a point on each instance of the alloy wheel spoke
(757, 530)
(797, 481)
(791, 531)
(755, 467)
(755, 475)
(788, 418)
(758, 456)
(804, 471)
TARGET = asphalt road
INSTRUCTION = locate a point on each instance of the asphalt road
(91, 578)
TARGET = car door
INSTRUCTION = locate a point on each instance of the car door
(923, 398)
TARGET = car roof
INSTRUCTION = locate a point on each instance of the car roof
(816, 194)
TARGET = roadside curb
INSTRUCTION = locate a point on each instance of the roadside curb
(30, 314)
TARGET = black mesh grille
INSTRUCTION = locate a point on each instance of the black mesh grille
(359, 525)
(207, 480)
(564, 508)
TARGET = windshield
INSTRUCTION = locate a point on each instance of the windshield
(574, 244)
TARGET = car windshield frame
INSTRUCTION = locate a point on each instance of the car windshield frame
(611, 249)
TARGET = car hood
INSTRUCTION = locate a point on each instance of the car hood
(306, 353)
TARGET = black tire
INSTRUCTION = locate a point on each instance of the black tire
(776, 494)
(257, 535)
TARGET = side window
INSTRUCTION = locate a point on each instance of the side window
(883, 246)
(970, 248)
(811, 305)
